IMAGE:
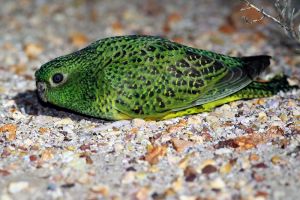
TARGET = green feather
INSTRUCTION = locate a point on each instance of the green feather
(149, 77)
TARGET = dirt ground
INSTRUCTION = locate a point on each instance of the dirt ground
(242, 150)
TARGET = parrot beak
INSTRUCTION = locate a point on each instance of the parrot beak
(41, 89)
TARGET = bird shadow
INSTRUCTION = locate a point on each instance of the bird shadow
(28, 102)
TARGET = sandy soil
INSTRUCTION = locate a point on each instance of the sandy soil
(242, 150)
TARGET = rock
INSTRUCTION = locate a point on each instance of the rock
(184, 162)
(226, 168)
(155, 153)
(195, 120)
(293, 81)
(254, 157)
(222, 151)
(138, 122)
(33, 158)
(213, 121)
(2, 90)
(64, 121)
(68, 129)
(177, 127)
(292, 103)
(100, 189)
(117, 28)
(177, 184)
(78, 39)
(187, 197)
(142, 194)
(283, 117)
(4, 172)
(43, 130)
(84, 179)
(118, 147)
(11, 129)
(225, 111)
(17, 115)
(190, 174)
(296, 112)
(16, 187)
(260, 165)
(180, 145)
(218, 184)
(209, 169)
(47, 154)
(205, 163)
(78, 163)
(277, 160)
(5, 196)
(33, 50)
(51, 187)
(128, 177)
(262, 117)
(108, 126)
(67, 156)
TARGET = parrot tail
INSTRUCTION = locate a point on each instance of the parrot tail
(253, 90)
(265, 89)
(254, 65)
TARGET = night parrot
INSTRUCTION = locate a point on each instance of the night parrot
(149, 77)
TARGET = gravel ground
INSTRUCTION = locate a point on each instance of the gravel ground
(242, 150)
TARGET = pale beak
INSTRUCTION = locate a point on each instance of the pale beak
(41, 88)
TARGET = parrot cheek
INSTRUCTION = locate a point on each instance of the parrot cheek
(41, 89)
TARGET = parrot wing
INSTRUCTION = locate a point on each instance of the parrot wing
(162, 76)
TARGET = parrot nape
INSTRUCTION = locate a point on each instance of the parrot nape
(149, 77)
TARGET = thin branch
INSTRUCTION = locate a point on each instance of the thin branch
(286, 17)
(250, 5)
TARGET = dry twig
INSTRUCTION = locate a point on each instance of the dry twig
(286, 17)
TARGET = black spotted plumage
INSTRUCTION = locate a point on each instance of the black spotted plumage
(148, 77)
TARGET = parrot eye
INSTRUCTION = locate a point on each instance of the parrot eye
(57, 78)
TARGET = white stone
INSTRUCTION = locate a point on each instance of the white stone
(223, 151)
(64, 121)
(15, 187)
(5, 197)
(218, 183)
(138, 122)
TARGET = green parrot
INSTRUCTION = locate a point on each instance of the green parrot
(149, 77)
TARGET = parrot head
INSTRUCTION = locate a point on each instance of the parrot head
(62, 80)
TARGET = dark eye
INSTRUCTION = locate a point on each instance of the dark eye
(57, 78)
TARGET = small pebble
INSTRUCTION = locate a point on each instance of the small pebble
(262, 117)
(16, 187)
(138, 122)
(218, 184)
